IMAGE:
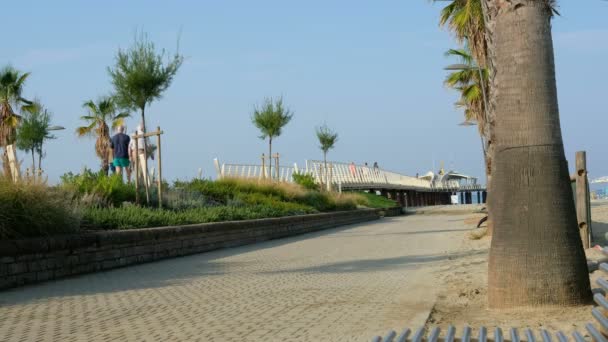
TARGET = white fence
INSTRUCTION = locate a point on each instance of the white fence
(342, 176)
(284, 174)
(349, 176)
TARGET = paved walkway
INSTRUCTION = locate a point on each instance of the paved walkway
(345, 284)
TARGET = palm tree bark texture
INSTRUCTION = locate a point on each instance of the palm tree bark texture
(536, 256)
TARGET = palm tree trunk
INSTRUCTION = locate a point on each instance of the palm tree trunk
(6, 168)
(490, 9)
(145, 166)
(536, 256)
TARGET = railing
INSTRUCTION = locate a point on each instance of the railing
(592, 328)
(348, 176)
(343, 176)
(599, 180)
(284, 174)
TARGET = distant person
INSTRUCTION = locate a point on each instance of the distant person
(376, 168)
(353, 169)
(366, 170)
(120, 147)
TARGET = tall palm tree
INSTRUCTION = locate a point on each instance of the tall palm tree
(536, 241)
(327, 141)
(102, 115)
(12, 82)
(270, 119)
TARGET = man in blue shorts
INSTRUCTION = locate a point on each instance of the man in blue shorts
(120, 146)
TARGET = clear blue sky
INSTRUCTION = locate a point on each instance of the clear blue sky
(370, 69)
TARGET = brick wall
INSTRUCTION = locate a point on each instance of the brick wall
(39, 259)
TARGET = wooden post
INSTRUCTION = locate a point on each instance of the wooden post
(263, 171)
(330, 177)
(582, 199)
(276, 167)
(160, 172)
(136, 170)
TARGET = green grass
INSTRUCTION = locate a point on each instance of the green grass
(376, 201)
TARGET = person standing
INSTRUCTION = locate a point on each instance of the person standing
(353, 169)
(120, 148)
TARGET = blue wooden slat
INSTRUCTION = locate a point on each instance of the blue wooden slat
(404, 334)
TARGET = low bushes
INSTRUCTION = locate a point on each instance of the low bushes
(306, 180)
(98, 185)
(34, 209)
(137, 217)
(376, 201)
(256, 192)
(96, 201)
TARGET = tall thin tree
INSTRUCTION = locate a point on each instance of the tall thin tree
(270, 119)
(327, 140)
(33, 131)
(141, 75)
(535, 241)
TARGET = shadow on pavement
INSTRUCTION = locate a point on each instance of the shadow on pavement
(373, 265)
(156, 274)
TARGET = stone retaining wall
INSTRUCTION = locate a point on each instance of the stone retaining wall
(39, 259)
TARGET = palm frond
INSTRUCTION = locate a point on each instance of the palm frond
(86, 130)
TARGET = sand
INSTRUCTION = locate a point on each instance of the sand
(463, 299)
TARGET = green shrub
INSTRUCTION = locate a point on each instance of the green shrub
(30, 209)
(306, 180)
(232, 190)
(375, 201)
(111, 188)
(137, 217)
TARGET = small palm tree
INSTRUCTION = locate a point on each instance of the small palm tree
(101, 115)
(270, 119)
(11, 89)
(11, 100)
(34, 129)
(327, 140)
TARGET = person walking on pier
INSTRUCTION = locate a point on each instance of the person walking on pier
(353, 169)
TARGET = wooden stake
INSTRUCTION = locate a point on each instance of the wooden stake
(582, 199)
(276, 168)
(160, 171)
(136, 170)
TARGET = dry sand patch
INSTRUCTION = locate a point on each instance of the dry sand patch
(463, 298)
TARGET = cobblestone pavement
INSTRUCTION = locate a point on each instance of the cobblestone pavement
(345, 284)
